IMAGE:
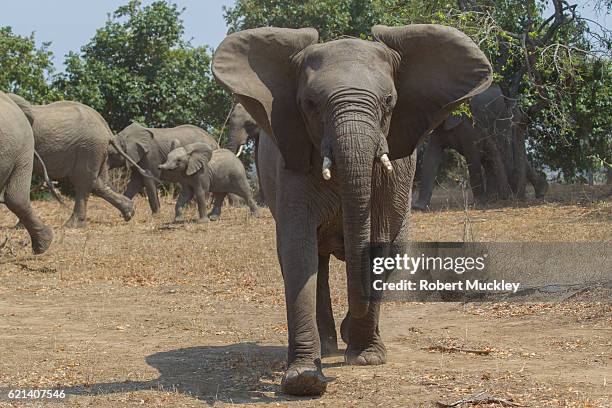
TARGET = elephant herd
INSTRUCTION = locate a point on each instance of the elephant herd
(337, 126)
(74, 142)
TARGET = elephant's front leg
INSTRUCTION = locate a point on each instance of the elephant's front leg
(298, 258)
(151, 189)
(185, 195)
(296, 239)
(429, 172)
(200, 196)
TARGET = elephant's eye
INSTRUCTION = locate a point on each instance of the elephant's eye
(310, 104)
(389, 100)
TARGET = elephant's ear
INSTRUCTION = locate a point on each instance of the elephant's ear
(439, 68)
(258, 65)
(199, 156)
(452, 121)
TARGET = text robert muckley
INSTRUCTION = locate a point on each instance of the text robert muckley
(425, 285)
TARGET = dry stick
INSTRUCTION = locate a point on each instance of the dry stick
(446, 349)
(21, 259)
(479, 398)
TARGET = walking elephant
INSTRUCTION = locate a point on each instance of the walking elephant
(72, 140)
(342, 121)
(487, 141)
(149, 147)
(199, 169)
(242, 129)
(16, 162)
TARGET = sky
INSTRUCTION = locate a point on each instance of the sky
(69, 24)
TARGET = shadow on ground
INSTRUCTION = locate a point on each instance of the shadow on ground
(238, 373)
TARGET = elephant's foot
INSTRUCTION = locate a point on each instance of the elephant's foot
(179, 219)
(214, 217)
(419, 206)
(329, 346)
(74, 222)
(373, 354)
(541, 188)
(304, 379)
(256, 213)
(42, 241)
(128, 212)
(203, 220)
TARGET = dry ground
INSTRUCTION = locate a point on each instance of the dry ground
(149, 313)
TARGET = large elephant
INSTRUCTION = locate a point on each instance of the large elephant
(343, 119)
(149, 147)
(16, 163)
(488, 141)
(200, 168)
(72, 140)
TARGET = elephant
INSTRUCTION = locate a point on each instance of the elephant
(486, 141)
(242, 128)
(72, 140)
(342, 120)
(200, 168)
(16, 164)
(149, 147)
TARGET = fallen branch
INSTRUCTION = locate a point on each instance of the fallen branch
(19, 259)
(479, 398)
(446, 349)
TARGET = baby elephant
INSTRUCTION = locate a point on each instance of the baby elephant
(200, 169)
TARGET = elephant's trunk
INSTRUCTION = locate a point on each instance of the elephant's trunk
(143, 172)
(354, 151)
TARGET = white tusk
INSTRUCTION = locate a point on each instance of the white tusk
(239, 151)
(384, 159)
(325, 169)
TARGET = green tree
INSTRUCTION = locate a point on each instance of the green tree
(139, 68)
(547, 63)
(26, 68)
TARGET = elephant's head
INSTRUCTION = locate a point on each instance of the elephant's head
(135, 140)
(241, 127)
(188, 159)
(351, 105)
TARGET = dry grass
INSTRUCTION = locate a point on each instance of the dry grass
(158, 314)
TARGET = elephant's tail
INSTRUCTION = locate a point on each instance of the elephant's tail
(143, 172)
(48, 181)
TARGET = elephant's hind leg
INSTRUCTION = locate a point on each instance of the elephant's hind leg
(120, 202)
(325, 315)
(17, 199)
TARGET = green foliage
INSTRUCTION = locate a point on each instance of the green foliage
(25, 68)
(138, 68)
(546, 63)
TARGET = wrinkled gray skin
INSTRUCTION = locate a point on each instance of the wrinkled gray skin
(486, 141)
(336, 100)
(72, 140)
(16, 162)
(149, 147)
(241, 128)
(200, 169)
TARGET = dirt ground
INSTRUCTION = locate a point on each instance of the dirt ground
(150, 313)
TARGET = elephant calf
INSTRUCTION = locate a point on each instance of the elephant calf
(199, 168)
(16, 162)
